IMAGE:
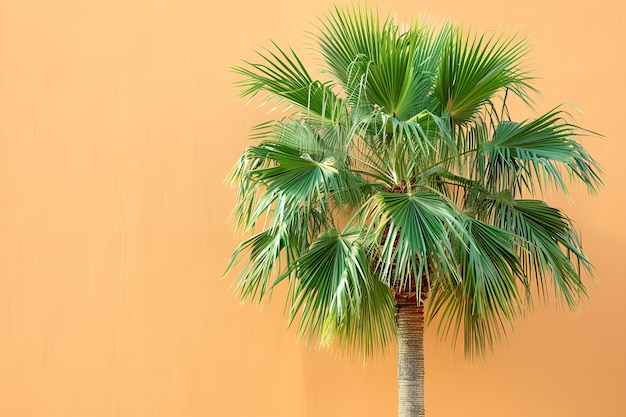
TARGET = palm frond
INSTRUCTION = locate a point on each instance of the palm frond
(267, 255)
(474, 69)
(486, 298)
(429, 39)
(275, 173)
(381, 64)
(336, 296)
(283, 76)
(551, 253)
(412, 231)
(522, 153)
(349, 39)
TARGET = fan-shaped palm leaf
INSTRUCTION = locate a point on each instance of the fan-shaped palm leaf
(536, 151)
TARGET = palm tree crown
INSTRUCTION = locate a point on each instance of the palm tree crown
(398, 175)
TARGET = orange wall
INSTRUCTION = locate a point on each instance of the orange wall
(117, 126)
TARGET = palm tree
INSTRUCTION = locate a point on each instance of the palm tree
(393, 190)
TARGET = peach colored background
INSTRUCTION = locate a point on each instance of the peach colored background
(118, 124)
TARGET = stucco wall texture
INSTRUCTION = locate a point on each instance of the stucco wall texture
(118, 125)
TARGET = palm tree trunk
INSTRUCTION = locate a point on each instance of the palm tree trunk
(410, 328)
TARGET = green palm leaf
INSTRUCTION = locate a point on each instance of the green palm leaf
(335, 294)
(349, 39)
(284, 77)
(276, 179)
(380, 64)
(413, 233)
(474, 69)
(486, 296)
(537, 150)
(551, 251)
